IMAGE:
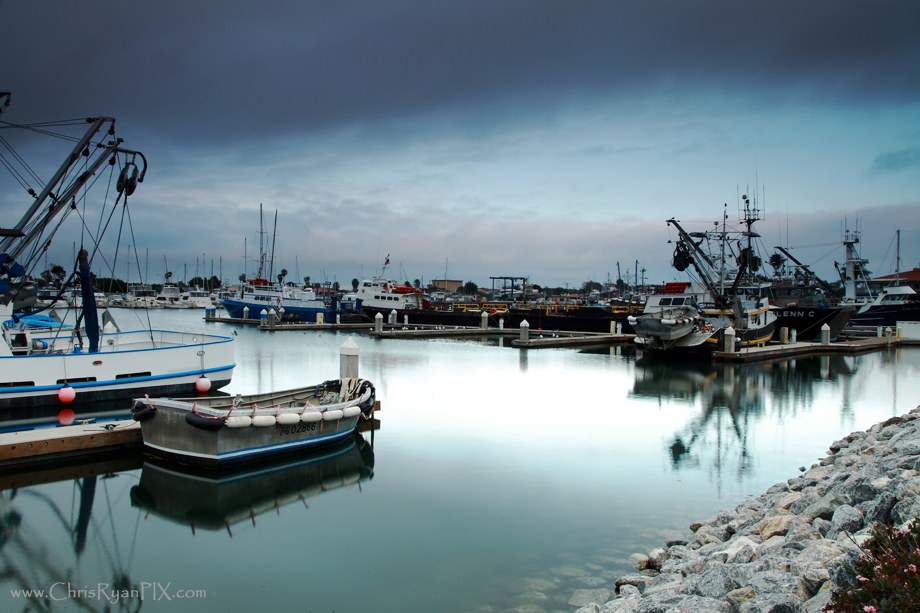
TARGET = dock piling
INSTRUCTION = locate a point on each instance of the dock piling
(484, 320)
(348, 359)
(729, 340)
(378, 323)
(525, 331)
(825, 335)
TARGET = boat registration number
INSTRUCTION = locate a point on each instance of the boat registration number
(296, 428)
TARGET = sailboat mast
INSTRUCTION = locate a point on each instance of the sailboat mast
(271, 267)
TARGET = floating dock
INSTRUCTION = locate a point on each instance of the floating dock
(791, 350)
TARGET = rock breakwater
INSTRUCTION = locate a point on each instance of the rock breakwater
(789, 549)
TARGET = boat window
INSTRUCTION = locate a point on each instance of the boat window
(75, 380)
(17, 384)
(133, 375)
(664, 302)
(677, 301)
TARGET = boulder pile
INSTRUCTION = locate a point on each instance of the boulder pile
(789, 549)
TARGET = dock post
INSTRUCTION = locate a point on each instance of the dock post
(484, 320)
(245, 312)
(825, 334)
(888, 335)
(338, 318)
(378, 323)
(392, 318)
(263, 318)
(320, 318)
(784, 336)
(793, 336)
(728, 342)
(501, 323)
(405, 319)
(348, 359)
(272, 318)
(525, 331)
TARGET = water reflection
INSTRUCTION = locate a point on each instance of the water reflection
(45, 546)
(218, 500)
(730, 402)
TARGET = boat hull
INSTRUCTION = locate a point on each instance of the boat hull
(273, 424)
(807, 322)
(128, 364)
(887, 316)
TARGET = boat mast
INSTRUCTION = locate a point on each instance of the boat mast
(722, 271)
(271, 267)
(897, 261)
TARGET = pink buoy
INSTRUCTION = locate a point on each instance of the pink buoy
(202, 384)
(66, 394)
(66, 417)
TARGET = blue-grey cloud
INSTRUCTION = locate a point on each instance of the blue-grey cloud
(895, 161)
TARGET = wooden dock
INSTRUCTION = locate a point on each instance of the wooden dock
(792, 350)
(55, 443)
(547, 340)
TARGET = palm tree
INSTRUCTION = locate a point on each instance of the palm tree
(354, 285)
(282, 275)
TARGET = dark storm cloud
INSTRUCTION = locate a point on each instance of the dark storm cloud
(219, 71)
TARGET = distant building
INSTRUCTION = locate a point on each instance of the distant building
(448, 285)
(907, 277)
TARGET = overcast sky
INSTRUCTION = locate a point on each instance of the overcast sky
(481, 138)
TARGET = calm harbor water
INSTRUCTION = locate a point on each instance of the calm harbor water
(493, 468)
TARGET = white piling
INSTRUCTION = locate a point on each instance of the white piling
(793, 336)
(484, 320)
(525, 331)
(728, 342)
(378, 323)
(245, 312)
(392, 318)
(348, 359)
(825, 334)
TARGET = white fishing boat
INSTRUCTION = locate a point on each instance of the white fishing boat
(732, 295)
(219, 431)
(40, 367)
(383, 295)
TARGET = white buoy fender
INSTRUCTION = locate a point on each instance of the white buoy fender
(350, 411)
(311, 416)
(334, 415)
(262, 421)
(631, 320)
(239, 421)
(288, 419)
